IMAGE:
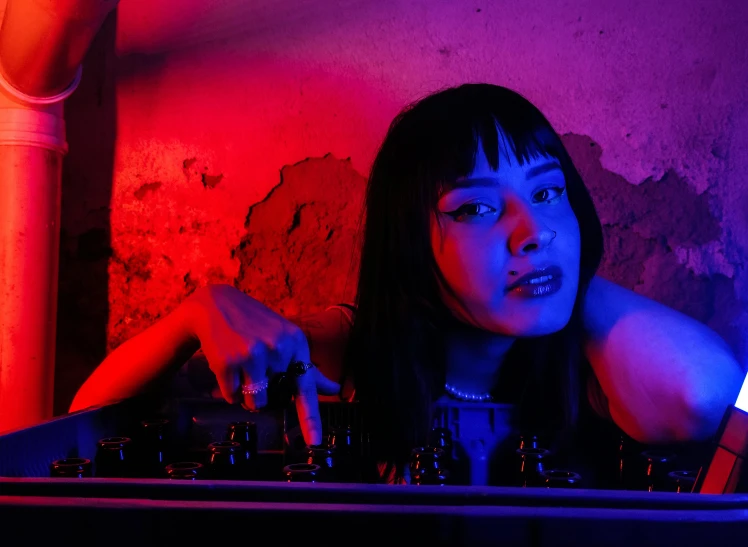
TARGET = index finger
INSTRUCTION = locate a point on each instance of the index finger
(307, 407)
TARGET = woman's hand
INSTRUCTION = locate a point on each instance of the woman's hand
(247, 345)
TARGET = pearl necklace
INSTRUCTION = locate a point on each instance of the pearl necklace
(472, 397)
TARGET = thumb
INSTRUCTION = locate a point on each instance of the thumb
(325, 386)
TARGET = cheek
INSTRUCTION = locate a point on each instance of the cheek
(574, 243)
(471, 265)
(443, 253)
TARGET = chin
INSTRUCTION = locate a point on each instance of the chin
(540, 318)
(533, 327)
(542, 330)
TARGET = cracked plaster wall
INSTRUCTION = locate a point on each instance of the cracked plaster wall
(229, 142)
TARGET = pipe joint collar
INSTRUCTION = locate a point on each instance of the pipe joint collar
(23, 98)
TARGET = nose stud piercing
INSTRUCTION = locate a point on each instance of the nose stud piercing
(512, 272)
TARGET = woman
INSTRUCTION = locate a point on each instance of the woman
(477, 281)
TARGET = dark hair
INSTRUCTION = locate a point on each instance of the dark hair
(395, 348)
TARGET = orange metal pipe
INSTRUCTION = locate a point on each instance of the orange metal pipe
(42, 43)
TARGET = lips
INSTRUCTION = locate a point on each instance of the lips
(539, 276)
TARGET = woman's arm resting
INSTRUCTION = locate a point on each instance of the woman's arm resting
(169, 343)
(667, 377)
(163, 347)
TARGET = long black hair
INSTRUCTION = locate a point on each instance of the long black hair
(395, 350)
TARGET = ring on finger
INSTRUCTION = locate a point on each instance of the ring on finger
(255, 387)
(299, 368)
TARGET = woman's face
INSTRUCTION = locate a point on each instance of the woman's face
(496, 223)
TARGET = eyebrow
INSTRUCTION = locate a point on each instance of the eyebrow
(542, 169)
(531, 173)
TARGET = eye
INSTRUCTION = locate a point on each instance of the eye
(471, 210)
(549, 195)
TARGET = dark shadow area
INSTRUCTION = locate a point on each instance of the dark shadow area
(85, 238)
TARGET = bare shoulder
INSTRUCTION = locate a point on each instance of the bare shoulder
(327, 334)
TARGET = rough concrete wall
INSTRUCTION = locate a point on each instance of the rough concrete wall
(232, 120)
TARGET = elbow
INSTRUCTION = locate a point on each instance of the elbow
(694, 413)
(707, 402)
(681, 420)
(76, 406)
(697, 419)
(85, 400)
(705, 413)
(80, 402)
(691, 412)
(700, 423)
(666, 432)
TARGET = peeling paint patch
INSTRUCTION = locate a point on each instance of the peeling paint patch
(146, 189)
(190, 285)
(299, 247)
(706, 260)
(662, 239)
(667, 207)
(296, 220)
(136, 265)
(211, 181)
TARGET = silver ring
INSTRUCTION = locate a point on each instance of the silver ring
(254, 388)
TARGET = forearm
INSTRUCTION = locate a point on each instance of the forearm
(667, 377)
(161, 348)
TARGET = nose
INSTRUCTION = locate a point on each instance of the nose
(528, 235)
(538, 239)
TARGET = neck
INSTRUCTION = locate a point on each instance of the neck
(474, 358)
